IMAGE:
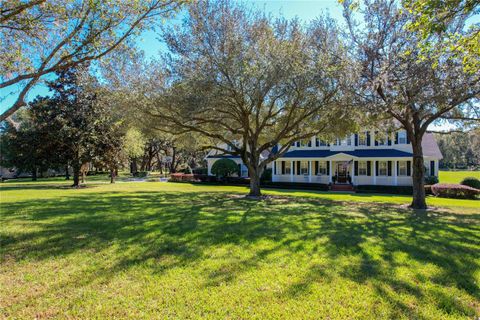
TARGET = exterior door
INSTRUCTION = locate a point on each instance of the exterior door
(341, 173)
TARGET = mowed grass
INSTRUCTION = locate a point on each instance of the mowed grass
(165, 250)
(456, 176)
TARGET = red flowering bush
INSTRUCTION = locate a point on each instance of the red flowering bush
(457, 191)
(184, 177)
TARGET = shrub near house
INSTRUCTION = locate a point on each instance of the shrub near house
(455, 191)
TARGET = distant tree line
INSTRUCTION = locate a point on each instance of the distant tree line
(76, 129)
(460, 150)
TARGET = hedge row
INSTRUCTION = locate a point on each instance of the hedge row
(457, 191)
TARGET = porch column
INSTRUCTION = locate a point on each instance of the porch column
(352, 171)
(374, 172)
(291, 171)
(309, 171)
(395, 180)
(330, 171)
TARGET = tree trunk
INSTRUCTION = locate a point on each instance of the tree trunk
(112, 175)
(173, 164)
(418, 175)
(67, 174)
(34, 174)
(255, 183)
(76, 174)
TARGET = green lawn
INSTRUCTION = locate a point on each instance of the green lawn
(165, 250)
(457, 176)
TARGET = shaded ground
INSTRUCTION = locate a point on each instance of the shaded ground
(132, 253)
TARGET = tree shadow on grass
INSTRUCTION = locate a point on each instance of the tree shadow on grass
(165, 230)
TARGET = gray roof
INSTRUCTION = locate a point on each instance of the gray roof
(430, 146)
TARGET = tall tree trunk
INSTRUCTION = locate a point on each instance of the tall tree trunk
(134, 166)
(113, 174)
(76, 174)
(173, 164)
(67, 174)
(418, 175)
(254, 175)
(34, 174)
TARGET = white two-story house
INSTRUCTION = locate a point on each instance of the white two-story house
(365, 158)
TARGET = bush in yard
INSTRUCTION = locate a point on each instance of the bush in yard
(266, 175)
(457, 191)
(471, 182)
(141, 174)
(224, 168)
(431, 180)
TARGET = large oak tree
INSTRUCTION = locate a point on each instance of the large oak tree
(248, 82)
(400, 81)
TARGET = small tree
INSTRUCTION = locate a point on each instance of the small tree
(224, 168)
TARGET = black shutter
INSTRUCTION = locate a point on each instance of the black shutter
(310, 142)
(432, 168)
(369, 168)
(315, 168)
(298, 168)
(283, 167)
(274, 167)
(294, 144)
(389, 164)
(376, 168)
(376, 141)
(396, 137)
(328, 167)
(356, 139)
(389, 140)
(408, 138)
(298, 143)
(368, 138)
(409, 169)
(355, 165)
(398, 168)
(317, 142)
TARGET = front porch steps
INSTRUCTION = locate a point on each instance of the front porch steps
(342, 187)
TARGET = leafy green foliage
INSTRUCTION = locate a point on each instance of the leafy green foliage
(41, 37)
(224, 168)
(431, 180)
(471, 182)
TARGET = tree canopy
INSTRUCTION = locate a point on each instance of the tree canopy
(41, 37)
(250, 82)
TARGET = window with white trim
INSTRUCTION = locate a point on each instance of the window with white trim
(402, 137)
(362, 168)
(322, 143)
(304, 167)
(322, 168)
(382, 168)
(362, 138)
(304, 142)
(402, 168)
(288, 167)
